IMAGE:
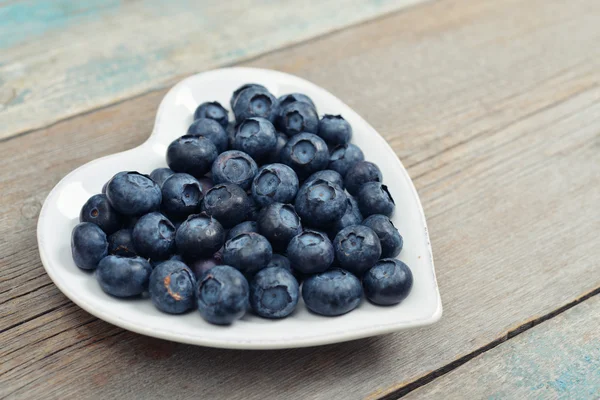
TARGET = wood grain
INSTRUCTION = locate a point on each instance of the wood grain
(559, 359)
(496, 115)
(61, 58)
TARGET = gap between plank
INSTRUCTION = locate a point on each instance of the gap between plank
(424, 380)
(173, 80)
(16, 324)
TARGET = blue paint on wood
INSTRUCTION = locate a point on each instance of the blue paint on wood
(234, 53)
(23, 21)
(122, 68)
(88, 77)
(548, 363)
(19, 98)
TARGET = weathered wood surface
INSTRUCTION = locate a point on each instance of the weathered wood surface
(496, 115)
(559, 359)
(60, 58)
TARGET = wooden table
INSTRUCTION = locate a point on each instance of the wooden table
(492, 105)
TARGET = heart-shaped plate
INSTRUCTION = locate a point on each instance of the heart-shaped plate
(60, 214)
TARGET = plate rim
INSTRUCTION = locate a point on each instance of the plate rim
(294, 342)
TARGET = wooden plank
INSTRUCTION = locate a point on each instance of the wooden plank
(559, 359)
(61, 58)
(503, 149)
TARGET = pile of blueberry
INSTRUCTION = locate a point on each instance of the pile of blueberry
(245, 213)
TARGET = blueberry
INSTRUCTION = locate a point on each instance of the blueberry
(388, 282)
(228, 203)
(244, 227)
(222, 295)
(129, 221)
(335, 130)
(343, 158)
(88, 245)
(331, 293)
(154, 236)
(274, 157)
(123, 276)
(201, 266)
(253, 209)
(199, 236)
(327, 175)
(211, 130)
(104, 187)
(391, 241)
(176, 257)
(248, 252)
(279, 223)
(181, 194)
(357, 248)
(160, 175)
(374, 198)
(256, 137)
(297, 117)
(234, 167)
(274, 183)
(255, 102)
(98, 210)
(352, 216)
(310, 252)
(120, 243)
(306, 153)
(361, 173)
(274, 293)
(292, 97)
(212, 110)
(231, 130)
(177, 223)
(191, 154)
(320, 203)
(239, 90)
(280, 261)
(132, 193)
(172, 286)
(206, 184)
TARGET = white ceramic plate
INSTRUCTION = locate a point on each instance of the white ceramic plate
(60, 214)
